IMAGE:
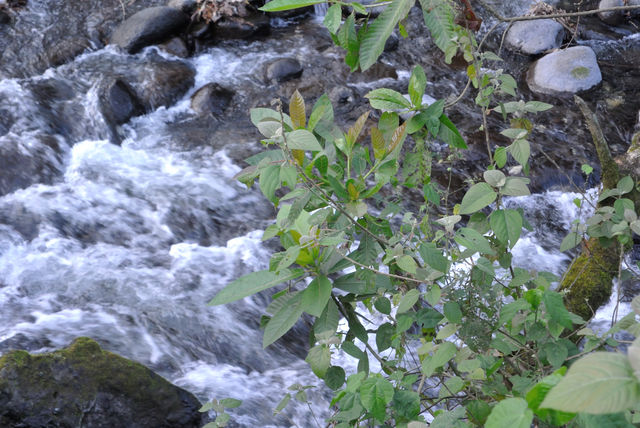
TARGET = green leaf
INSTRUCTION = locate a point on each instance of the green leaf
(316, 296)
(536, 106)
(494, 178)
(334, 377)
(570, 241)
(383, 305)
(253, 283)
(508, 311)
(379, 31)
(327, 324)
(555, 308)
(301, 139)
(473, 241)
(282, 404)
(440, 357)
(282, 321)
(278, 5)
(515, 186)
(417, 85)
(439, 18)
(319, 358)
(500, 157)
(477, 197)
(507, 225)
(261, 114)
(512, 413)
(452, 312)
(406, 403)
(520, 150)
(230, 403)
(598, 383)
(375, 393)
(387, 99)
(556, 352)
(446, 331)
(322, 112)
(407, 264)
(333, 18)
(450, 134)
(408, 300)
(625, 185)
(384, 336)
(270, 181)
(616, 420)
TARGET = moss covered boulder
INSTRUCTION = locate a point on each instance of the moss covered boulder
(86, 386)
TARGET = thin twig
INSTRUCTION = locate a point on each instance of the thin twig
(498, 16)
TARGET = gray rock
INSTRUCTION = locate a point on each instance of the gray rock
(149, 26)
(176, 46)
(534, 37)
(83, 385)
(634, 12)
(187, 6)
(211, 99)
(283, 69)
(568, 71)
(118, 102)
(612, 17)
(241, 28)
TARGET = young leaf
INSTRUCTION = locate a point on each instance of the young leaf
(356, 129)
(515, 186)
(598, 383)
(253, 283)
(417, 85)
(477, 197)
(555, 308)
(397, 138)
(520, 150)
(473, 240)
(322, 112)
(297, 110)
(378, 143)
(512, 413)
(379, 31)
(507, 225)
(282, 321)
(440, 357)
(278, 5)
(570, 241)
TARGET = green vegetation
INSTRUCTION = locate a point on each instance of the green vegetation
(461, 337)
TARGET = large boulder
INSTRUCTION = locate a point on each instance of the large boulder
(84, 385)
(211, 99)
(149, 26)
(534, 37)
(567, 71)
(283, 69)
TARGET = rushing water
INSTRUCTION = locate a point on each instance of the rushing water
(123, 243)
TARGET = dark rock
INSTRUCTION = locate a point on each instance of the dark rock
(84, 385)
(168, 82)
(211, 99)
(65, 50)
(118, 102)
(241, 28)
(5, 18)
(149, 26)
(611, 17)
(176, 46)
(391, 44)
(283, 69)
(187, 6)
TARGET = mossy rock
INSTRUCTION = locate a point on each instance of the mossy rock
(83, 385)
(589, 279)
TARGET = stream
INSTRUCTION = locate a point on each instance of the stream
(126, 243)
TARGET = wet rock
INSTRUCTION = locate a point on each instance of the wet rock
(534, 37)
(176, 46)
(391, 44)
(118, 102)
(25, 161)
(66, 50)
(186, 6)
(283, 69)
(148, 27)
(241, 28)
(211, 99)
(165, 84)
(569, 71)
(611, 17)
(83, 385)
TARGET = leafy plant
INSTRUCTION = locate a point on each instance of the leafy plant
(461, 336)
